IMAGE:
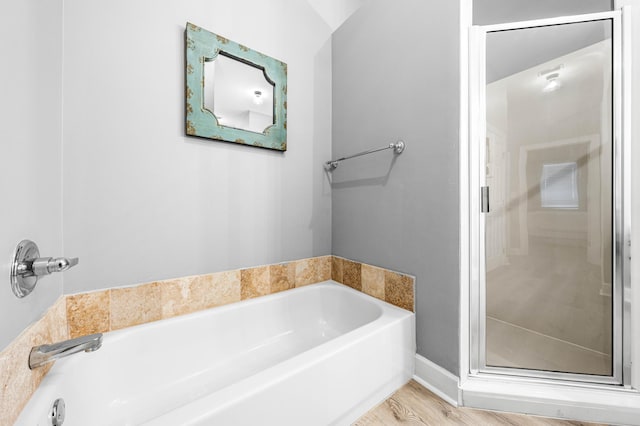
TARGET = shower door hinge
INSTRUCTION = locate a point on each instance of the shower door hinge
(484, 199)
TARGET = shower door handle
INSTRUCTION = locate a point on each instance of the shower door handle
(484, 199)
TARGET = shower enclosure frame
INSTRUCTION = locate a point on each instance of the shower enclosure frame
(475, 225)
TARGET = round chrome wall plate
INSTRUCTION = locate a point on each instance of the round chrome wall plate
(22, 280)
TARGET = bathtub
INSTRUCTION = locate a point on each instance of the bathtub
(317, 355)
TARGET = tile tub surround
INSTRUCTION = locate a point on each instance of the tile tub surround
(117, 308)
(17, 381)
(121, 307)
(392, 287)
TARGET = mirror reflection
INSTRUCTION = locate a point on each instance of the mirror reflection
(238, 94)
(548, 234)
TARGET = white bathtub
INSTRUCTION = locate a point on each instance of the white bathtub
(318, 355)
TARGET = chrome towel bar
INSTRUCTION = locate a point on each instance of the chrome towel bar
(397, 147)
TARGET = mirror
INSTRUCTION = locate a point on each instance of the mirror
(233, 93)
(238, 94)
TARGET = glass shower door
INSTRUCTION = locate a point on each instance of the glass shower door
(548, 287)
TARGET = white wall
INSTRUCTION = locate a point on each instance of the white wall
(144, 202)
(335, 12)
(31, 141)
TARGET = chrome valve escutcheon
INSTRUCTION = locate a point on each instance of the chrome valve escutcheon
(27, 266)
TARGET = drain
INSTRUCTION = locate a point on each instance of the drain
(57, 412)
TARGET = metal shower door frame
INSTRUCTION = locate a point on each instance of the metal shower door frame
(621, 355)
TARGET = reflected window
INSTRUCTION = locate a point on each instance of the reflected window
(559, 186)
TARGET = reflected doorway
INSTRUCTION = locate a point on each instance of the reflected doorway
(549, 288)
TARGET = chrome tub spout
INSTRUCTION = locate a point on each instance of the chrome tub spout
(44, 354)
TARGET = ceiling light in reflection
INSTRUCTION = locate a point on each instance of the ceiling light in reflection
(553, 83)
(257, 97)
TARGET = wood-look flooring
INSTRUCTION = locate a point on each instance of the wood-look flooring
(415, 405)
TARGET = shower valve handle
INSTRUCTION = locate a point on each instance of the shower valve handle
(27, 266)
(47, 265)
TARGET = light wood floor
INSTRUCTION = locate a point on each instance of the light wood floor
(414, 405)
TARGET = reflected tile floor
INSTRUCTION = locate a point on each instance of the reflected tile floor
(509, 345)
(545, 311)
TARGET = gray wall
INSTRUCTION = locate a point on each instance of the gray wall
(31, 141)
(395, 75)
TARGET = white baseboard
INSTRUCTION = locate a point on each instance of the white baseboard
(437, 380)
(615, 405)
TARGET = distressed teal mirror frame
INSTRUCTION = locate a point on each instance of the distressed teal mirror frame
(202, 122)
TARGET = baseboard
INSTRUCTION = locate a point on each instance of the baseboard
(437, 380)
(615, 405)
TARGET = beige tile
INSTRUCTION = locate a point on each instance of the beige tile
(56, 320)
(291, 273)
(336, 269)
(323, 268)
(306, 272)
(373, 281)
(17, 381)
(135, 305)
(226, 288)
(351, 274)
(398, 290)
(191, 294)
(176, 297)
(280, 276)
(88, 313)
(254, 282)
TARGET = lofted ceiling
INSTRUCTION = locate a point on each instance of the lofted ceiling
(335, 12)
